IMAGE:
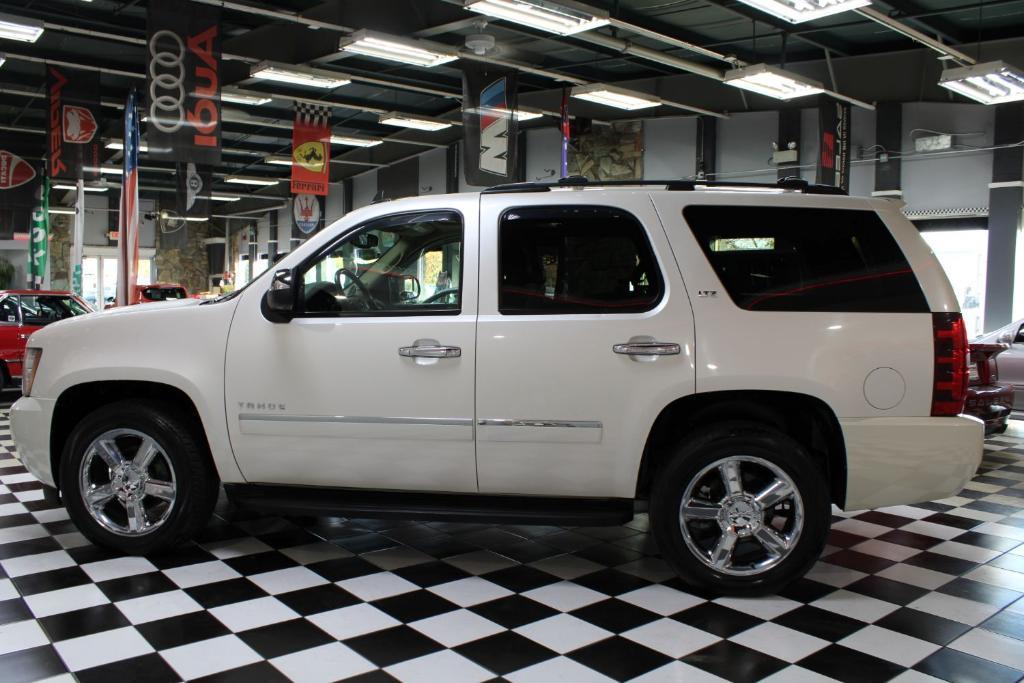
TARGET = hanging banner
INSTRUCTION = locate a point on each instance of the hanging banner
(311, 149)
(193, 196)
(566, 126)
(74, 123)
(834, 156)
(307, 215)
(183, 80)
(128, 215)
(19, 179)
(39, 237)
(489, 124)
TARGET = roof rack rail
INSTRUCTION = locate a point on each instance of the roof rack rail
(790, 183)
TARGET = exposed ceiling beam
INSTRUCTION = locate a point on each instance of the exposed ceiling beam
(938, 27)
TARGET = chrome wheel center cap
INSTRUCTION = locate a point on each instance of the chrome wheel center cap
(742, 514)
(127, 480)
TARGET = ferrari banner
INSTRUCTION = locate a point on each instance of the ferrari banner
(194, 185)
(311, 149)
(183, 79)
(488, 124)
(19, 179)
(74, 123)
(834, 155)
(39, 237)
(307, 215)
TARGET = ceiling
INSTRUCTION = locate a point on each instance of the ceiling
(852, 54)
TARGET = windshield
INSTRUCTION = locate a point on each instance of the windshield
(163, 293)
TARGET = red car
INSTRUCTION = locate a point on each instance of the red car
(22, 312)
(158, 291)
(987, 398)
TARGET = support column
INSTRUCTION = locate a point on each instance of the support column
(707, 148)
(888, 141)
(1005, 202)
(789, 132)
(77, 244)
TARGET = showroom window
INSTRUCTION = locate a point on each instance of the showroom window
(964, 256)
(575, 259)
(793, 259)
(409, 264)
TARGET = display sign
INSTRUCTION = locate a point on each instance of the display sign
(19, 179)
(39, 236)
(834, 157)
(74, 123)
(194, 187)
(311, 149)
(307, 215)
(488, 124)
(183, 80)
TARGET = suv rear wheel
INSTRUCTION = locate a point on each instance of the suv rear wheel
(740, 508)
(135, 478)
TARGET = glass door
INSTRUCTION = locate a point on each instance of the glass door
(964, 256)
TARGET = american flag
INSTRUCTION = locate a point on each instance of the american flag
(565, 133)
(128, 220)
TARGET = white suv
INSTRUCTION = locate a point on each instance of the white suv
(737, 358)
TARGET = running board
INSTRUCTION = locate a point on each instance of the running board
(447, 507)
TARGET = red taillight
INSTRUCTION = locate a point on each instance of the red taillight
(949, 388)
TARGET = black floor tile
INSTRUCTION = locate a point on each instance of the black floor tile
(521, 578)
(56, 579)
(343, 568)
(309, 601)
(851, 559)
(987, 541)
(850, 666)
(615, 615)
(416, 605)
(181, 556)
(924, 626)
(164, 634)
(149, 668)
(896, 592)
(734, 662)
(282, 638)
(32, 547)
(393, 645)
(820, 623)
(428, 574)
(212, 595)
(884, 519)
(806, 591)
(21, 519)
(513, 611)
(1006, 623)
(909, 539)
(14, 610)
(941, 563)
(959, 667)
(505, 652)
(980, 592)
(619, 658)
(843, 539)
(611, 582)
(247, 565)
(83, 622)
(33, 664)
(136, 586)
(260, 672)
(956, 521)
(609, 555)
(713, 618)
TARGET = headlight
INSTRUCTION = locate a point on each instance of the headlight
(28, 370)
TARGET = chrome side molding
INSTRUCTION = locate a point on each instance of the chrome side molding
(572, 424)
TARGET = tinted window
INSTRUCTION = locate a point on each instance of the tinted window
(575, 259)
(163, 293)
(9, 310)
(43, 309)
(404, 264)
(793, 259)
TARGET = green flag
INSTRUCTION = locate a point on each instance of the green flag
(39, 239)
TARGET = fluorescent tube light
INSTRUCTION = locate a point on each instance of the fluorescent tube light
(251, 180)
(612, 96)
(224, 198)
(117, 144)
(61, 211)
(284, 73)
(238, 97)
(190, 219)
(3, 58)
(69, 186)
(520, 114)
(278, 160)
(988, 83)
(527, 114)
(773, 82)
(562, 17)
(417, 122)
(355, 142)
(396, 49)
(796, 11)
(22, 30)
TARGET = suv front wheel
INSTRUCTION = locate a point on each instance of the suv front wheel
(740, 508)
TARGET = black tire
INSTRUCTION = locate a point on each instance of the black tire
(179, 438)
(702, 449)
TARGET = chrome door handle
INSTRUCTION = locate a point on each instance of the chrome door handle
(647, 346)
(430, 351)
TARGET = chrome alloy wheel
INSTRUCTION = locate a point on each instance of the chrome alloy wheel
(127, 483)
(741, 515)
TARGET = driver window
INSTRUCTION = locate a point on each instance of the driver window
(409, 263)
(9, 311)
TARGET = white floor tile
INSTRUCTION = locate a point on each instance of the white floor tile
(567, 566)
(992, 646)
(797, 674)
(452, 629)
(239, 616)
(996, 576)
(895, 647)
(908, 511)
(952, 607)
(456, 668)
(834, 575)
(237, 547)
(25, 532)
(315, 552)
(159, 606)
(780, 642)
(861, 528)
(890, 551)
(102, 648)
(565, 596)
(65, 600)
(210, 656)
(290, 579)
(376, 586)
(117, 568)
(323, 664)
(7, 589)
(964, 551)
(562, 633)
(201, 574)
(356, 620)
(671, 637)
(855, 605)
(932, 529)
(916, 576)
(21, 635)
(661, 599)
(33, 564)
(469, 591)
(1003, 530)
(768, 607)
(563, 670)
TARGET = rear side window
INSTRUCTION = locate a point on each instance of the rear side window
(793, 259)
(575, 259)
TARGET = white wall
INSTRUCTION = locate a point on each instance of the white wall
(364, 188)
(862, 138)
(433, 171)
(745, 146)
(543, 154)
(670, 148)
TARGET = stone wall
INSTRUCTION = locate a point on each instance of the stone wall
(614, 152)
(186, 265)
(60, 250)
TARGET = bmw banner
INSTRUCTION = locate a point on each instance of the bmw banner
(74, 123)
(489, 103)
(183, 82)
(19, 179)
(311, 149)
(194, 186)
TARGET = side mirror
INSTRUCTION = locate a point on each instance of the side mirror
(1005, 338)
(279, 301)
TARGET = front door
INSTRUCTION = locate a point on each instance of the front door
(584, 335)
(371, 384)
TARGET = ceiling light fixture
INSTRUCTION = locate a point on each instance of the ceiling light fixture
(224, 198)
(355, 142)
(69, 186)
(988, 83)
(417, 122)
(277, 160)
(284, 73)
(396, 49)
(190, 219)
(61, 211)
(22, 30)
(797, 11)
(251, 180)
(117, 144)
(773, 82)
(239, 97)
(563, 17)
(612, 96)
(3, 58)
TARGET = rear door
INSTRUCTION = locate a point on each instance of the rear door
(584, 335)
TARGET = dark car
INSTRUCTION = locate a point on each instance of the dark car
(988, 398)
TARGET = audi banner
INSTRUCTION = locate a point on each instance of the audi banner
(311, 149)
(834, 155)
(194, 185)
(74, 127)
(183, 70)
(19, 179)
(488, 124)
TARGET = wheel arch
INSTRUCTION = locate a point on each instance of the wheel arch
(807, 419)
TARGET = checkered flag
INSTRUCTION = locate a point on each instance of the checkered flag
(313, 115)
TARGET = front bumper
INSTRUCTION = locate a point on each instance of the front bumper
(905, 460)
(30, 426)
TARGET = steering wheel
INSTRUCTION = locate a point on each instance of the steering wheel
(436, 296)
(370, 301)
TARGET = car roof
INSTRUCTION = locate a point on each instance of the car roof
(48, 292)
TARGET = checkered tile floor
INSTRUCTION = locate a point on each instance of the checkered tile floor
(913, 593)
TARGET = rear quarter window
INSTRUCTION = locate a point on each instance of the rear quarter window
(806, 259)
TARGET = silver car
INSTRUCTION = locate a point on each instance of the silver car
(1011, 361)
